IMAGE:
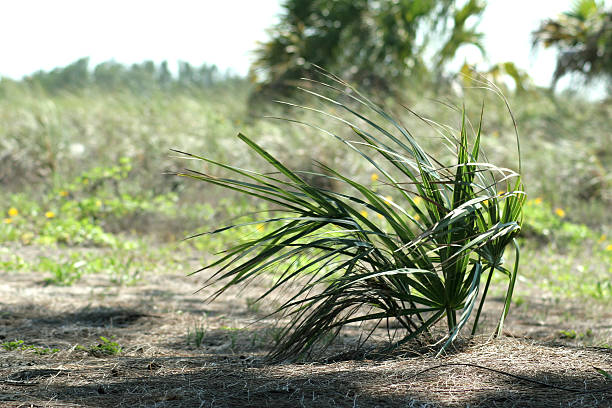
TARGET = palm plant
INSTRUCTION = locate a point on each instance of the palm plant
(419, 260)
(373, 42)
(583, 37)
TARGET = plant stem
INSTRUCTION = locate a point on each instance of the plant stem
(482, 300)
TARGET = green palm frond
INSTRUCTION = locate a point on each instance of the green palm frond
(419, 260)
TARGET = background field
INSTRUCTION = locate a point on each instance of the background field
(97, 162)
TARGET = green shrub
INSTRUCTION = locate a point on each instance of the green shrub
(547, 223)
(72, 231)
(20, 345)
(105, 347)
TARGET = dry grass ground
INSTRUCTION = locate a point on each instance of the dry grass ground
(160, 367)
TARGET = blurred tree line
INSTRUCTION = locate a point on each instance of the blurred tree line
(138, 78)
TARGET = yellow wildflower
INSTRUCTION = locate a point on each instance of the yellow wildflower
(8, 220)
(260, 227)
(417, 200)
(27, 238)
(49, 214)
(12, 212)
(609, 247)
(417, 217)
(560, 212)
(98, 203)
(602, 238)
(63, 193)
(374, 177)
(389, 199)
(364, 213)
(379, 215)
(538, 200)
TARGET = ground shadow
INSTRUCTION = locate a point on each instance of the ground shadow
(99, 316)
(230, 381)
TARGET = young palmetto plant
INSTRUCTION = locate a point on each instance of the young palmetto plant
(419, 261)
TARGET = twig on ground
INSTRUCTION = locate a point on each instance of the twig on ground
(518, 377)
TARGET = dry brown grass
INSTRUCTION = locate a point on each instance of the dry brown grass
(159, 368)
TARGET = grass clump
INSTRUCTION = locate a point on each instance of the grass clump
(122, 269)
(197, 335)
(413, 249)
(62, 273)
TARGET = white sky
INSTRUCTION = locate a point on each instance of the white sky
(43, 34)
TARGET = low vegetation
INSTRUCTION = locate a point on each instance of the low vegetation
(80, 192)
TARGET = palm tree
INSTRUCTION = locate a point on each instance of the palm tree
(583, 37)
(371, 43)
